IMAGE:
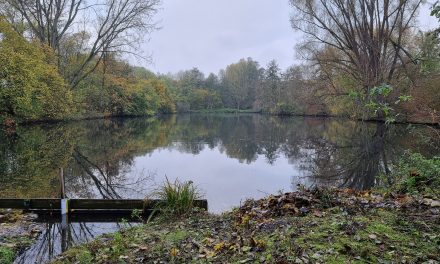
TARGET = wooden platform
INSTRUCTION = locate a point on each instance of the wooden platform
(87, 204)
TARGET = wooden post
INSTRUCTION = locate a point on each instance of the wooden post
(64, 201)
(62, 184)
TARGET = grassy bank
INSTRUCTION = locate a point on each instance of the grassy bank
(321, 226)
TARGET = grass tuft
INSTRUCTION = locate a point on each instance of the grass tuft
(6, 255)
(177, 197)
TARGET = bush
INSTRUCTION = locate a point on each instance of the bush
(6, 255)
(30, 86)
(417, 174)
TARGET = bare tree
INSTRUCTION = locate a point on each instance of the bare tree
(116, 26)
(365, 39)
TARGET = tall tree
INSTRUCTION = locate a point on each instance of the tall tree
(272, 84)
(241, 80)
(189, 80)
(365, 39)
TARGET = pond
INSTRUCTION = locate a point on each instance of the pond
(230, 157)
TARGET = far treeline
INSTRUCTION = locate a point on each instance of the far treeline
(367, 59)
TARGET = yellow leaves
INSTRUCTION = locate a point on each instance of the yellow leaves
(174, 252)
(220, 246)
(291, 207)
(31, 87)
(259, 243)
(245, 220)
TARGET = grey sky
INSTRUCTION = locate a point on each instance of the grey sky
(210, 34)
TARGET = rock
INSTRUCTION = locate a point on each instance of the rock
(431, 202)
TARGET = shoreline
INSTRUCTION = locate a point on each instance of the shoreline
(214, 111)
(327, 226)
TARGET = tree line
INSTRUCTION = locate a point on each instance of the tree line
(363, 59)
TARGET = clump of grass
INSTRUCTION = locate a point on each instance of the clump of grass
(6, 255)
(177, 198)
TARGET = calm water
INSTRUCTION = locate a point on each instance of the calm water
(229, 157)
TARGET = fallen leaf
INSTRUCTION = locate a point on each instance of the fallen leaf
(174, 252)
(246, 249)
(317, 213)
(219, 246)
(372, 236)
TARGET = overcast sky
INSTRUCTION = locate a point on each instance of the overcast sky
(210, 34)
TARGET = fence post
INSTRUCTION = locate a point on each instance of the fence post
(64, 200)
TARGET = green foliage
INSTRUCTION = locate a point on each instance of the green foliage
(204, 99)
(287, 109)
(118, 89)
(85, 257)
(118, 246)
(417, 174)
(429, 58)
(240, 81)
(178, 197)
(30, 86)
(6, 255)
(192, 91)
(379, 105)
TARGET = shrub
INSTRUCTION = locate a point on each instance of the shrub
(30, 87)
(417, 174)
(287, 109)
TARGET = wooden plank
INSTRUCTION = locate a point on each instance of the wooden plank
(95, 204)
(36, 204)
(86, 204)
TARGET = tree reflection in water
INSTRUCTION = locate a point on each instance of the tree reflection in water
(54, 240)
(99, 155)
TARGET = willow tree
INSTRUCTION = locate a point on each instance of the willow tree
(98, 28)
(365, 40)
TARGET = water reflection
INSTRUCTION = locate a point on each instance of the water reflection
(55, 239)
(232, 157)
